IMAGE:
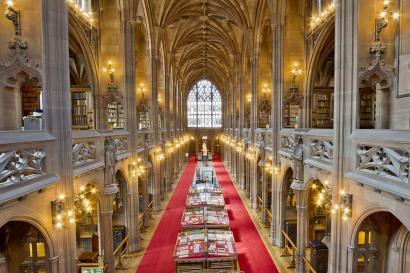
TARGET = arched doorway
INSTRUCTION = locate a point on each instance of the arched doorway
(289, 206)
(87, 221)
(319, 212)
(120, 210)
(23, 248)
(382, 245)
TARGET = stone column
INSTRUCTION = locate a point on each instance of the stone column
(155, 127)
(264, 178)
(276, 117)
(106, 231)
(144, 190)
(302, 226)
(131, 125)
(241, 127)
(345, 117)
(254, 124)
(53, 264)
(56, 87)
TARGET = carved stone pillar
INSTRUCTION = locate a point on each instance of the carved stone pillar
(106, 230)
(53, 264)
(254, 122)
(302, 226)
(264, 208)
(156, 168)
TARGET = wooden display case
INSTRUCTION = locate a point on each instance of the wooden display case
(292, 106)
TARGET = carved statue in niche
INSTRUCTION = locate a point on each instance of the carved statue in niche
(109, 162)
(298, 158)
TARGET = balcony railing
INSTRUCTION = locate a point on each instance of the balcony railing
(382, 161)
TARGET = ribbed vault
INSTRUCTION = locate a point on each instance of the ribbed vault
(204, 37)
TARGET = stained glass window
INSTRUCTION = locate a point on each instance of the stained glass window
(204, 106)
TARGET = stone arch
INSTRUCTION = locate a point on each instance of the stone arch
(322, 51)
(38, 224)
(379, 239)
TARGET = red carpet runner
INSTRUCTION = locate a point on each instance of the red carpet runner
(252, 254)
(158, 256)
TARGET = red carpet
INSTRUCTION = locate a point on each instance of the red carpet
(252, 254)
(158, 256)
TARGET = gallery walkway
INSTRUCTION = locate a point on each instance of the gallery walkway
(252, 254)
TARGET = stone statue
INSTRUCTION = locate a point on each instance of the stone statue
(298, 158)
(109, 163)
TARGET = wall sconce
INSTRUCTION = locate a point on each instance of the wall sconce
(13, 15)
(344, 206)
(159, 156)
(137, 168)
(296, 71)
(265, 90)
(110, 70)
(382, 21)
(60, 215)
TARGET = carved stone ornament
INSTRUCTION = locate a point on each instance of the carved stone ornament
(19, 166)
(84, 152)
(15, 64)
(322, 149)
(384, 162)
(377, 72)
(110, 187)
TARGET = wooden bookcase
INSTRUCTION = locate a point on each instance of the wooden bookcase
(367, 108)
(290, 114)
(30, 99)
(80, 109)
(322, 108)
(115, 115)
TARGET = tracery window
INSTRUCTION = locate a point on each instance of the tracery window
(204, 106)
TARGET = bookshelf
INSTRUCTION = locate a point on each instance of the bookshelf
(30, 100)
(115, 115)
(367, 108)
(322, 108)
(79, 109)
(290, 115)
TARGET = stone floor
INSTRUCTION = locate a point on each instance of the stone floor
(131, 263)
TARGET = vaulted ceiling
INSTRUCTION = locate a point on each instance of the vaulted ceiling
(206, 38)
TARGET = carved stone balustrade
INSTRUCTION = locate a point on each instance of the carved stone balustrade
(25, 163)
(287, 143)
(319, 149)
(18, 166)
(382, 161)
(88, 149)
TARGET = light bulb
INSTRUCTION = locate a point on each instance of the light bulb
(344, 217)
(396, 15)
(10, 3)
(93, 190)
(59, 224)
(70, 213)
(61, 196)
(71, 220)
(59, 217)
(82, 188)
(342, 192)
